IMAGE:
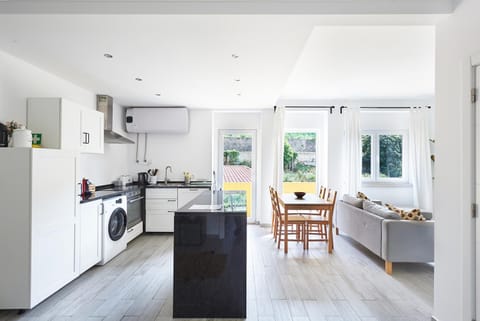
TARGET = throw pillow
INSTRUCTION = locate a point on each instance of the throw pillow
(411, 215)
(362, 196)
(352, 200)
(379, 210)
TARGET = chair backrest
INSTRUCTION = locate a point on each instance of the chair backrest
(275, 204)
(322, 192)
(332, 196)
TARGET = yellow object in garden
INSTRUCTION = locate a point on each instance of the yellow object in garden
(241, 186)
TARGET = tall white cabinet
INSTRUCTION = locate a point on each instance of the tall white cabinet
(66, 125)
(37, 233)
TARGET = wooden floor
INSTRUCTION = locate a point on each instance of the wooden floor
(348, 285)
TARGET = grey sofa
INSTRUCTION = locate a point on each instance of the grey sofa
(394, 240)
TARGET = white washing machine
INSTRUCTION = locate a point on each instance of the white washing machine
(114, 227)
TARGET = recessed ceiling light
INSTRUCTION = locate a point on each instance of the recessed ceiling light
(237, 80)
(107, 55)
(138, 79)
(239, 94)
(158, 94)
(234, 56)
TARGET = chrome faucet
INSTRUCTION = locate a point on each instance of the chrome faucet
(166, 178)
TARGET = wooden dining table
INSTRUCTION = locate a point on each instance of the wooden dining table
(292, 205)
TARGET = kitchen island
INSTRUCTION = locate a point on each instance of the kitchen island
(210, 256)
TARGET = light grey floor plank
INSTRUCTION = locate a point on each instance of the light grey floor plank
(347, 285)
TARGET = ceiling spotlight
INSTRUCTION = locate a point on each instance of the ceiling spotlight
(237, 80)
(138, 79)
(158, 94)
(107, 55)
(234, 56)
(239, 94)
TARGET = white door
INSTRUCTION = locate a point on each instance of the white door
(90, 234)
(237, 166)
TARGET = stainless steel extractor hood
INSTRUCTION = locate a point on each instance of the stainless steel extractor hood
(111, 135)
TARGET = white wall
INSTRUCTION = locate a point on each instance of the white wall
(20, 80)
(190, 152)
(457, 39)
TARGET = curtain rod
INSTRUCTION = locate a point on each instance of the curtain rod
(331, 108)
(385, 107)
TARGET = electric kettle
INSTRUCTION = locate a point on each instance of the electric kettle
(142, 178)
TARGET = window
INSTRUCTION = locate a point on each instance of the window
(384, 156)
(300, 162)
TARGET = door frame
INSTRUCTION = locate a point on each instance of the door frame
(475, 116)
(254, 133)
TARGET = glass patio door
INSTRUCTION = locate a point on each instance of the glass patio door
(237, 166)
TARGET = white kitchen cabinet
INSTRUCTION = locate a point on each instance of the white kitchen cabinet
(186, 195)
(65, 124)
(37, 234)
(160, 205)
(91, 131)
(90, 238)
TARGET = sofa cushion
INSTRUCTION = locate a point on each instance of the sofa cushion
(379, 210)
(362, 196)
(411, 215)
(352, 200)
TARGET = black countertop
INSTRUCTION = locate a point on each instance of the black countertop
(193, 184)
(109, 191)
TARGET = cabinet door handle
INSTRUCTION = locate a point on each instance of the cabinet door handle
(84, 138)
(172, 200)
(171, 211)
(88, 138)
(193, 189)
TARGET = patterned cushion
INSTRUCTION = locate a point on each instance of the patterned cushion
(362, 196)
(412, 215)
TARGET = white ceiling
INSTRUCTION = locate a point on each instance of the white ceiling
(188, 58)
(365, 62)
(229, 6)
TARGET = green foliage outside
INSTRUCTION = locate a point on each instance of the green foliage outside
(390, 149)
(232, 157)
(366, 155)
(293, 169)
(390, 156)
(234, 200)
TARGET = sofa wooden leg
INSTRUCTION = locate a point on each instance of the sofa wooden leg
(388, 267)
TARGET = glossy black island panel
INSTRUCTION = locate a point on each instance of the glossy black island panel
(210, 258)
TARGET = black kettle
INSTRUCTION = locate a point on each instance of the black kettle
(142, 178)
(3, 135)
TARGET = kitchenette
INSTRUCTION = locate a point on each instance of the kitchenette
(59, 222)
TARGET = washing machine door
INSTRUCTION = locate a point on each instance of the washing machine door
(117, 224)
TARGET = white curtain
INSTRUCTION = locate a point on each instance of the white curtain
(353, 151)
(420, 162)
(278, 141)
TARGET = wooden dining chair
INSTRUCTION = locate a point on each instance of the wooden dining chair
(295, 226)
(323, 191)
(274, 228)
(318, 224)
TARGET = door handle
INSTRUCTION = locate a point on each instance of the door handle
(84, 141)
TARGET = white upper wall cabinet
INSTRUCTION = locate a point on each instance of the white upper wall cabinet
(65, 125)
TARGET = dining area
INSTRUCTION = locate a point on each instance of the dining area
(303, 217)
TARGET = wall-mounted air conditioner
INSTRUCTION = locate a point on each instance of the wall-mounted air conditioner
(157, 120)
